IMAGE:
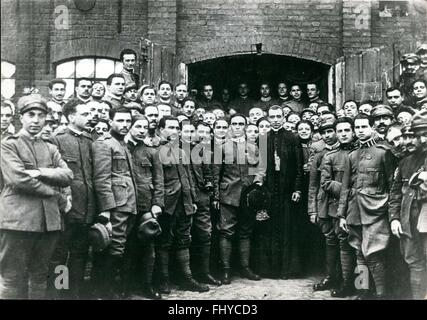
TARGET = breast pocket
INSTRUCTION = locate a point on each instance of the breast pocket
(119, 163)
(372, 176)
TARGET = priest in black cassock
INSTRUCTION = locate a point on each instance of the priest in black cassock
(276, 247)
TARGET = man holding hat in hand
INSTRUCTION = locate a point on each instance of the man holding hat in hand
(408, 204)
(30, 203)
(148, 172)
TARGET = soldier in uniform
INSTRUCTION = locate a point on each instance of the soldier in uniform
(319, 208)
(30, 203)
(148, 173)
(406, 204)
(313, 93)
(57, 93)
(383, 117)
(115, 188)
(232, 174)
(180, 206)
(128, 58)
(411, 65)
(331, 180)
(115, 89)
(74, 145)
(363, 203)
(201, 169)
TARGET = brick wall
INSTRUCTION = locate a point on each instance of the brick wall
(320, 30)
(96, 32)
(207, 29)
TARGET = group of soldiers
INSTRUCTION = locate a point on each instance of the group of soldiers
(130, 175)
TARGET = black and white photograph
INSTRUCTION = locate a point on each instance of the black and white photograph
(230, 151)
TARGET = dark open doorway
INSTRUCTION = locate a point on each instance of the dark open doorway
(227, 72)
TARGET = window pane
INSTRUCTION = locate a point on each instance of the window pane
(85, 68)
(7, 69)
(119, 67)
(104, 67)
(69, 89)
(8, 88)
(65, 70)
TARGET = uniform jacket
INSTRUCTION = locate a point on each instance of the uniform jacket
(26, 203)
(148, 173)
(178, 181)
(202, 168)
(366, 184)
(76, 151)
(240, 168)
(113, 175)
(332, 172)
(404, 203)
(317, 199)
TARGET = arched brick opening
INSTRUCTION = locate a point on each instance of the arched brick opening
(229, 71)
(292, 47)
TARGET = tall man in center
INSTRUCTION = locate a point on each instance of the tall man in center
(279, 256)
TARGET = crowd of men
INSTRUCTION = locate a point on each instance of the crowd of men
(143, 181)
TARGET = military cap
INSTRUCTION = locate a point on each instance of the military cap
(407, 130)
(422, 49)
(130, 86)
(326, 123)
(419, 121)
(308, 110)
(148, 228)
(32, 101)
(381, 110)
(410, 58)
(99, 237)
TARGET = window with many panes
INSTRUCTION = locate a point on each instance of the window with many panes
(95, 68)
(7, 80)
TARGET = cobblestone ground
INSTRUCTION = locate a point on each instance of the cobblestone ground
(265, 289)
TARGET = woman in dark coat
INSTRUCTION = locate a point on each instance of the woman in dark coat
(310, 239)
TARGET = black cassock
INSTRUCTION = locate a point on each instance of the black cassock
(275, 245)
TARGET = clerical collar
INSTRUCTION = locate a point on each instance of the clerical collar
(265, 99)
(275, 130)
(368, 143)
(286, 98)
